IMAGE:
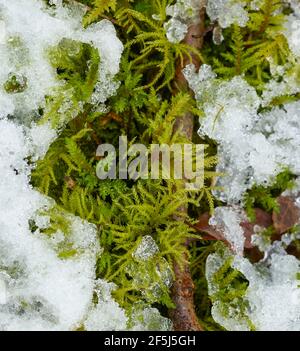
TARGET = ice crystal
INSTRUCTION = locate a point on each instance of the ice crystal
(106, 315)
(227, 12)
(227, 220)
(149, 319)
(147, 249)
(176, 30)
(183, 13)
(142, 272)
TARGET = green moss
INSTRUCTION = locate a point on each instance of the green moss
(264, 197)
(145, 109)
(15, 84)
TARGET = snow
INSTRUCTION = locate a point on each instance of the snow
(183, 13)
(146, 249)
(43, 292)
(27, 30)
(227, 12)
(253, 147)
(272, 297)
(227, 220)
(186, 12)
(106, 315)
(292, 32)
(39, 290)
(282, 85)
(149, 319)
(176, 30)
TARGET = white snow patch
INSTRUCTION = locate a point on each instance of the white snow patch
(227, 220)
(253, 147)
(272, 297)
(27, 30)
(227, 12)
(38, 289)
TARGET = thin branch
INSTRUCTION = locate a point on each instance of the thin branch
(184, 316)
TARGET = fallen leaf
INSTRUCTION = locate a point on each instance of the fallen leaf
(263, 219)
(288, 215)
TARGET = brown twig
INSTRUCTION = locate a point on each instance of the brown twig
(183, 316)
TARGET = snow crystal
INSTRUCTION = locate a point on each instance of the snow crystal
(272, 297)
(183, 13)
(253, 147)
(149, 319)
(142, 272)
(186, 10)
(147, 248)
(106, 315)
(227, 220)
(176, 30)
(227, 12)
(232, 321)
(283, 84)
(263, 242)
